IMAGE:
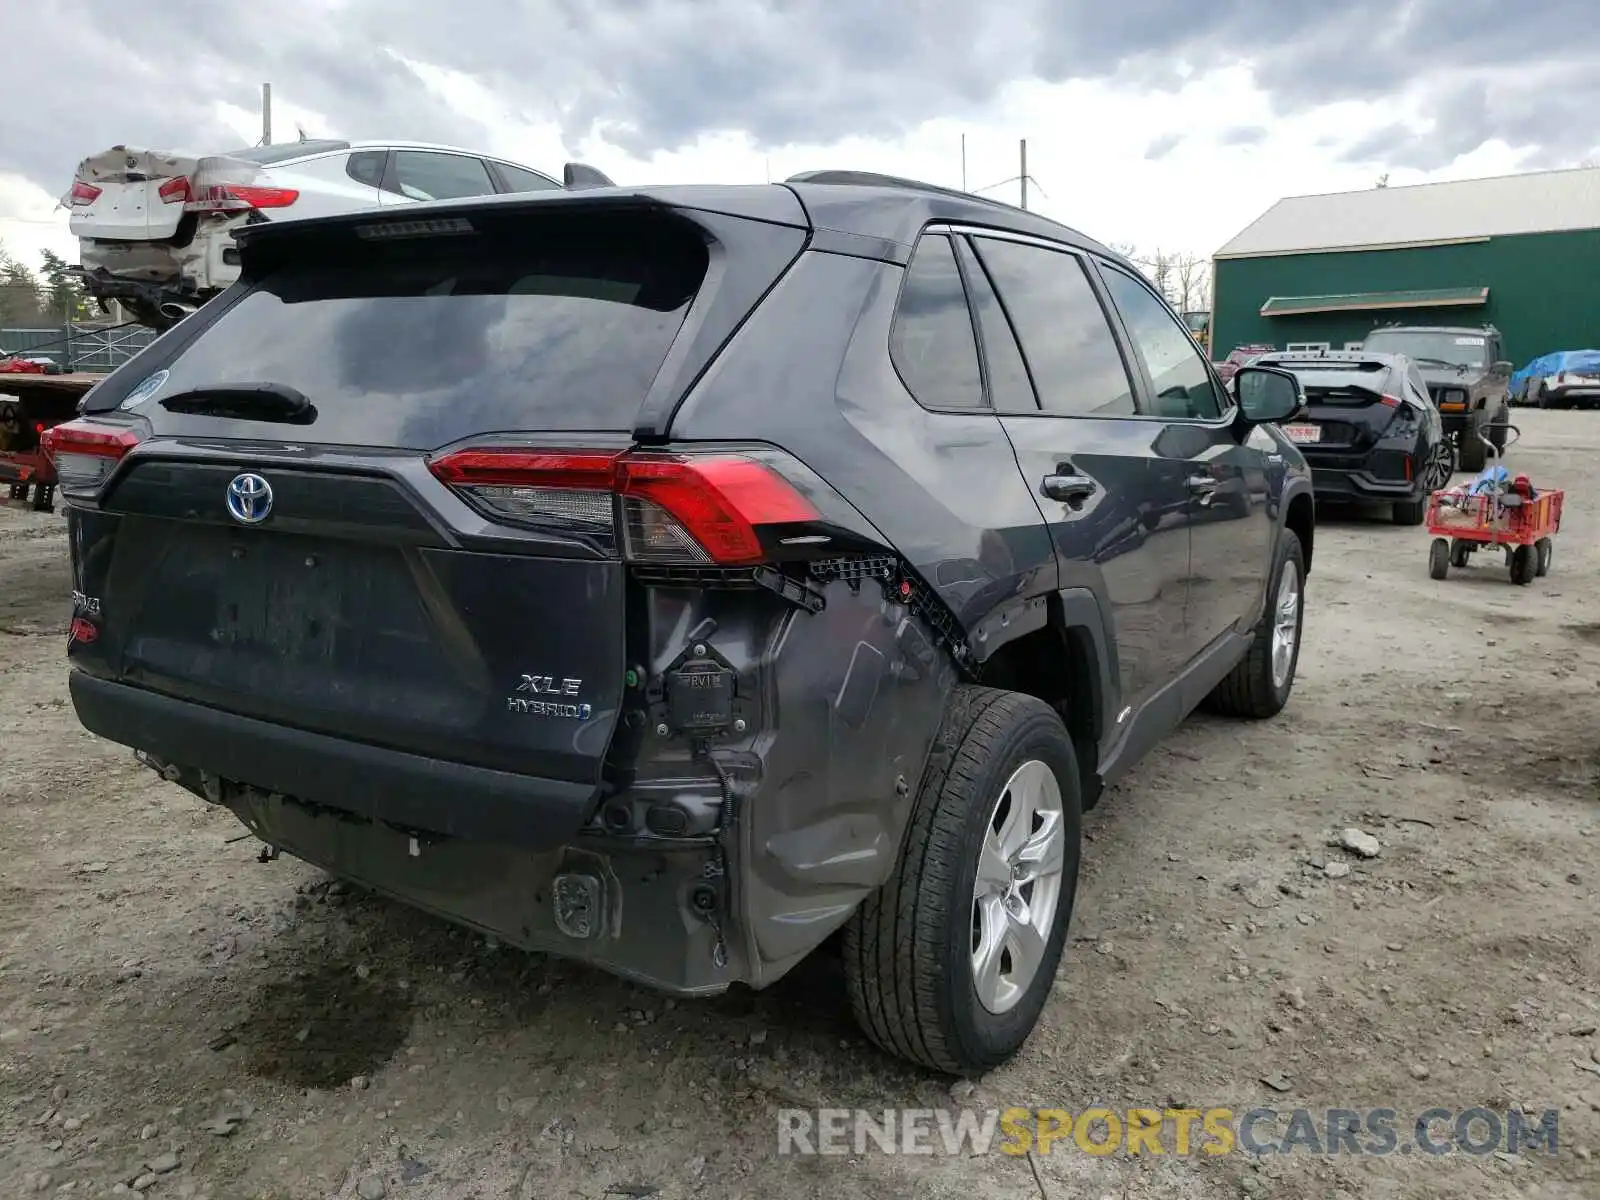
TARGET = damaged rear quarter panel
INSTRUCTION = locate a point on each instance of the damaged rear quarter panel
(857, 691)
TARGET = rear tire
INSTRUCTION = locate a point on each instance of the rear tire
(1410, 512)
(1259, 686)
(910, 958)
(1545, 550)
(1524, 565)
(1439, 557)
(1460, 552)
(1471, 451)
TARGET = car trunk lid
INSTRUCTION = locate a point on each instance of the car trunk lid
(1343, 418)
(127, 194)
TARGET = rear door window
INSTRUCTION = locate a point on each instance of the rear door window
(931, 340)
(424, 175)
(1076, 366)
(1010, 389)
(559, 324)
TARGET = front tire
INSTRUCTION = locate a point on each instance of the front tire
(949, 963)
(1439, 559)
(1472, 452)
(1497, 430)
(1524, 565)
(1259, 686)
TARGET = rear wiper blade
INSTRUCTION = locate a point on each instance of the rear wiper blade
(245, 402)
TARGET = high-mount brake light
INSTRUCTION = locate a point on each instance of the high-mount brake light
(683, 509)
(85, 453)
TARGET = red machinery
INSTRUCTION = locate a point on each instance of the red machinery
(30, 403)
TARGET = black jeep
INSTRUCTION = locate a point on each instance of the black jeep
(671, 577)
(1468, 378)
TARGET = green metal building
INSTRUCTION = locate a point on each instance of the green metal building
(1521, 252)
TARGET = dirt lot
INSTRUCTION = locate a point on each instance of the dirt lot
(164, 994)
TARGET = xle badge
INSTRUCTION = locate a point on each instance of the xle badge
(548, 696)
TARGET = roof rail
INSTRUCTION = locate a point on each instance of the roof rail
(873, 179)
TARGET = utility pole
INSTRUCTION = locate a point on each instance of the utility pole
(963, 162)
(1024, 178)
(266, 114)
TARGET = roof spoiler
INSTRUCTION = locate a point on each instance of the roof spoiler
(576, 176)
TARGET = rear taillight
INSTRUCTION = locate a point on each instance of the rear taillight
(1389, 401)
(174, 191)
(239, 197)
(685, 509)
(85, 453)
(83, 193)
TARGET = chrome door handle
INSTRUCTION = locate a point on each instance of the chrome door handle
(1073, 489)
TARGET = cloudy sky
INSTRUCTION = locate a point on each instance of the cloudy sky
(1165, 123)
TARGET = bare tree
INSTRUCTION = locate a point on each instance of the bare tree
(1190, 290)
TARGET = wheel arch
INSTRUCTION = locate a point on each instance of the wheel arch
(1065, 660)
(1300, 518)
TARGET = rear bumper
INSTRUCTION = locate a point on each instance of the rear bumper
(406, 791)
(1578, 393)
(1334, 483)
(485, 849)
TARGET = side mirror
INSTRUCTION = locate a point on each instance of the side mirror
(1267, 394)
(577, 175)
(1502, 368)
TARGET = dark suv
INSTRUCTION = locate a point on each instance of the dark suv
(669, 578)
(1468, 377)
(1368, 430)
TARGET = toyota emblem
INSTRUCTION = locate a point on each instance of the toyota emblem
(249, 499)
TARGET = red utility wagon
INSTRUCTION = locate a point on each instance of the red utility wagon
(1521, 520)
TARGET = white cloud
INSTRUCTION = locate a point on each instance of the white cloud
(1088, 147)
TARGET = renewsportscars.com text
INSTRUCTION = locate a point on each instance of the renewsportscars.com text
(1165, 1131)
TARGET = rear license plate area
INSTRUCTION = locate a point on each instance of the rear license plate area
(1303, 434)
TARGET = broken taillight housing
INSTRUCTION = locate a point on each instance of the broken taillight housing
(703, 509)
(85, 453)
(83, 193)
(240, 197)
(175, 190)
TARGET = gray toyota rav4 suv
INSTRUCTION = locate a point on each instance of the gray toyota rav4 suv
(671, 578)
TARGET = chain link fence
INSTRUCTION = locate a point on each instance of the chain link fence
(79, 347)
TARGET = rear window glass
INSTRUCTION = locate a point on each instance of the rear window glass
(556, 324)
(1345, 386)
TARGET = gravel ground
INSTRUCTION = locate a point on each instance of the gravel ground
(178, 1017)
